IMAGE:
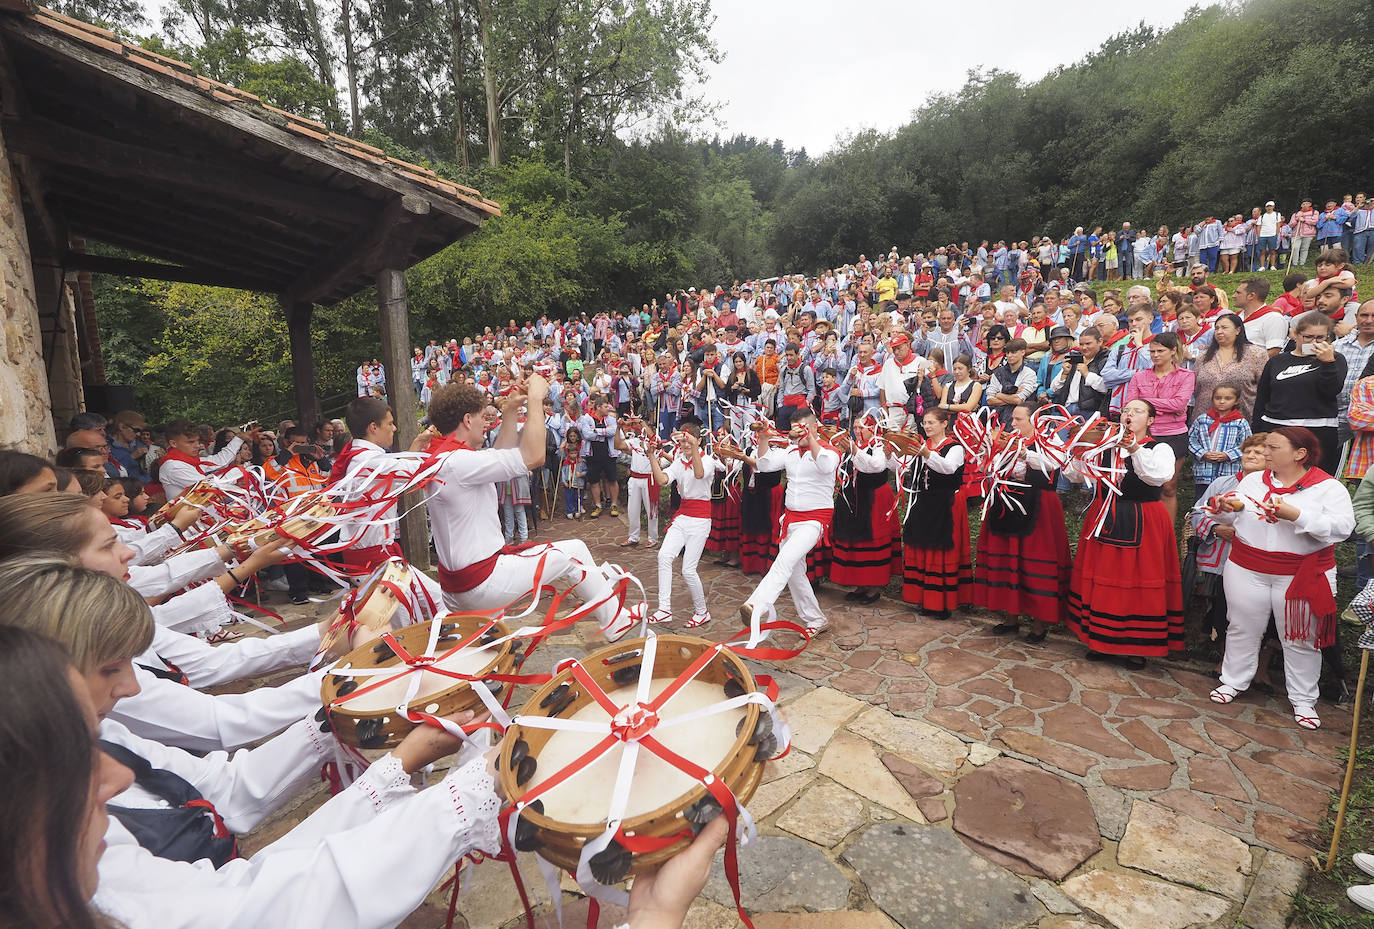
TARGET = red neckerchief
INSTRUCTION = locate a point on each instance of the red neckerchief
(199, 464)
(1041, 326)
(873, 368)
(940, 449)
(340, 468)
(1313, 477)
(446, 443)
(1338, 315)
(938, 372)
(825, 394)
(1201, 331)
(995, 361)
(1265, 311)
(1116, 337)
(1229, 416)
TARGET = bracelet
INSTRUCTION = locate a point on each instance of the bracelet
(234, 577)
(181, 534)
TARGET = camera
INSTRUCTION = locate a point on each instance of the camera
(1074, 358)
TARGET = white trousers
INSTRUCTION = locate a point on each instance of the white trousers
(687, 535)
(567, 561)
(895, 418)
(789, 570)
(643, 498)
(1251, 598)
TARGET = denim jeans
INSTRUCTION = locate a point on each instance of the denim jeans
(1364, 246)
(1208, 256)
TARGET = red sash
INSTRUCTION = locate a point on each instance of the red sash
(475, 574)
(643, 474)
(794, 400)
(825, 517)
(697, 509)
(1309, 593)
(369, 557)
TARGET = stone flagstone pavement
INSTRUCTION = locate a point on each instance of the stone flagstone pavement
(944, 777)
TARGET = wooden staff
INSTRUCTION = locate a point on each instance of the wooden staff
(1349, 766)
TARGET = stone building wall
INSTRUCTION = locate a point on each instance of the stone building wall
(25, 404)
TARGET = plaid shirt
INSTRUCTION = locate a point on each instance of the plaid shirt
(1361, 418)
(1356, 357)
(1226, 438)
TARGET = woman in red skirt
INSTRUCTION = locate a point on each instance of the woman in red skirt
(761, 506)
(725, 520)
(935, 553)
(1125, 599)
(1023, 548)
(866, 534)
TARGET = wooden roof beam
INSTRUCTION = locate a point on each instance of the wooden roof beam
(384, 242)
(234, 118)
(52, 142)
(156, 271)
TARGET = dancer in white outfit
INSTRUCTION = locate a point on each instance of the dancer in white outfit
(1288, 520)
(692, 471)
(476, 570)
(811, 466)
(643, 491)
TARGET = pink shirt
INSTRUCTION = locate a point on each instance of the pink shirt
(1170, 395)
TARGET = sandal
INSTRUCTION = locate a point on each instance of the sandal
(1223, 694)
(660, 616)
(1306, 717)
(698, 619)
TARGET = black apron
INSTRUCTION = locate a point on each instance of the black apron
(929, 521)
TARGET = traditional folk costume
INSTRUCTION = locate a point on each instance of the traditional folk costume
(642, 491)
(935, 535)
(177, 471)
(477, 571)
(810, 509)
(867, 536)
(376, 541)
(149, 545)
(725, 513)
(1023, 557)
(761, 508)
(892, 382)
(1126, 596)
(686, 536)
(1286, 568)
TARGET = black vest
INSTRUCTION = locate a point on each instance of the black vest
(187, 830)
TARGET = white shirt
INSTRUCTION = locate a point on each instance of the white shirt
(371, 455)
(1325, 517)
(463, 512)
(689, 486)
(1269, 223)
(810, 478)
(176, 476)
(892, 378)
(1269, 331)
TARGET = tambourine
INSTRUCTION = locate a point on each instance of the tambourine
(665, 803)
(371, 606)
(902, 443)
(362, 697)
(301, 519)
(197, 496)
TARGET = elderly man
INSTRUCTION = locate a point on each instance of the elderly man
(94, 440)
(125, 447)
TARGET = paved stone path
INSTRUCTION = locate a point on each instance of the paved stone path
(944, 777)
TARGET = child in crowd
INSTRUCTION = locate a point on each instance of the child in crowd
(515, 497)
(1217, 436)
(137, 496)
(572, 473)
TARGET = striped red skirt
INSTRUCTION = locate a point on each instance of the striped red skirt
(932, 578)
(725, 522)
(871, 562)
(1024, 573)
(758, 544)
(1128, 599)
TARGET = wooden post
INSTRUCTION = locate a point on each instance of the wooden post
(394, 321)
(302, 363)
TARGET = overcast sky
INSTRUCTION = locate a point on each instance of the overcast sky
(807, 71)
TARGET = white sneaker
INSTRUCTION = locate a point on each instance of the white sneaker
(1364, 861)
(1362, 895)
(660, 616)
(816, 628)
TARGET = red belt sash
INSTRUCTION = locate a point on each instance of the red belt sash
(370, 556)
(1308, 597)
(794, 399)
(644, 474)
(475, 574)
(699, 509)
(825, 517)
(830, 416)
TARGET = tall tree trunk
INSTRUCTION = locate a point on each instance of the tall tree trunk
(574, 116)
(323, 56)
(355, 118)
(489, 84)
(457, 51)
